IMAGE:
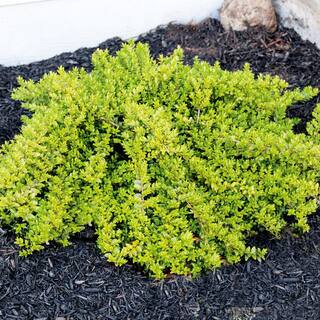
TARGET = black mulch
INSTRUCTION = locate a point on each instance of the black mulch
(77, 283)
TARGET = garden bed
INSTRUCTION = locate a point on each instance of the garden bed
(77, 282)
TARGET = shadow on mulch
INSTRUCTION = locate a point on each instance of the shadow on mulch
(77, 283)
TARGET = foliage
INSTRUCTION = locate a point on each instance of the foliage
(176, 166)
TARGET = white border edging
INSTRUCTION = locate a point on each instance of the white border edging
(11, 3)
(31, 30)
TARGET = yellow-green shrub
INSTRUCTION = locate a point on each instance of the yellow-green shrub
(177, 167)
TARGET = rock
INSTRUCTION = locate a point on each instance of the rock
(301, 15)
(241, 14)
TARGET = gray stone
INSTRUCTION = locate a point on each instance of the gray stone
(301, 15)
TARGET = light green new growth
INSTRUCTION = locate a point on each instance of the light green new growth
(177, 167)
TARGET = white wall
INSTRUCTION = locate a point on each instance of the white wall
(40, 29)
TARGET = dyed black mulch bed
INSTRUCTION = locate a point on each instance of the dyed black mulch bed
(77, 283)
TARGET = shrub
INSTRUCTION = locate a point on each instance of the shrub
(176, 166)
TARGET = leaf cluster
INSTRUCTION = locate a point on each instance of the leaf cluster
(176, 166)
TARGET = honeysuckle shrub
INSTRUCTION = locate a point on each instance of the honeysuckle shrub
(177, 167)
